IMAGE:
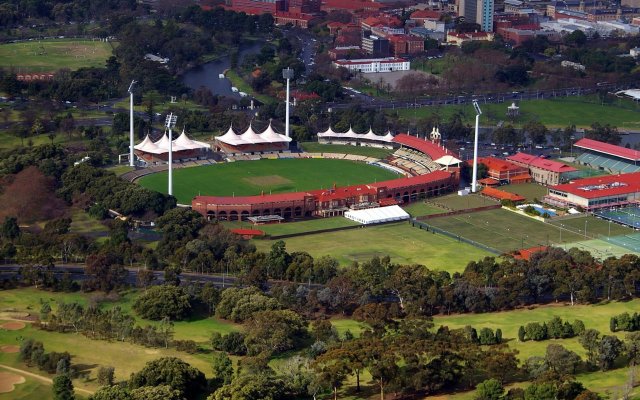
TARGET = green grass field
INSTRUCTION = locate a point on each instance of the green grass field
(246, 178)
(419, 208)
(294, 227)
(52, 55)
(581, 111)
(402, 242)
(314, 147)
(596, 227)
(504, 230)
(455, 202)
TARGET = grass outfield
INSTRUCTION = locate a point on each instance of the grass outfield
(52, 55)
(455, 202)
(504, 230)
(402, 242)
(314, 147)
(247, 178)
(419, 208)
(294, 227)
(581, 111)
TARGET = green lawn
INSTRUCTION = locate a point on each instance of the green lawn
(246, 178)
(83, 223)
(402, 242)
(120, 169)
(596, 227)
(31, 389)
(581, 111)
(294, 227)
(314, 147)
(455, 202)
(420, 208)
(504, 230)
(529, 190)
(54, 54)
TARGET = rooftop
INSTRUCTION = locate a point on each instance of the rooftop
(542, 163)
(602, 186)
(609, 149)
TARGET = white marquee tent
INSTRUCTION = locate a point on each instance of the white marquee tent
(377, 215)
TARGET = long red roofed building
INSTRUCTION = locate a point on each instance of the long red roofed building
(609, 157)
(543, 170)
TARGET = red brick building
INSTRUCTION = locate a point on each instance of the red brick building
(406, 44)
(503, 172)
(327, 202)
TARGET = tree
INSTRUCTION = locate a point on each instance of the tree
(577, 38)
(104, 272)
(536, 132)
(610, 348)
(252, 387)
(275, 331)
(162, 392)
(172, 372)
(561, 360)
(222, 369)
(115, 392)
(604, 133)
(62, 388)
(10, 228)
(521, 334)
(540, 391)
(168, 301)
(105, 375)
(590, 340)
(490, 389)
(63, 366)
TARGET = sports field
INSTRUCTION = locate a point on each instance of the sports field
(247, 178)
(402, 242)
(54, 54)
(528, 190)
(455, 202)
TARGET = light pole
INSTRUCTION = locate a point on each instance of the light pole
(170, 123)
(131, 163)
(474, 180)
(287, 74)
(585, 227)
(609, 229)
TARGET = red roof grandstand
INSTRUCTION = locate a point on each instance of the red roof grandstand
(431, 149)
(609, 149)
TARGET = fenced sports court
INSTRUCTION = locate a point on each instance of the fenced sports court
(629, 216)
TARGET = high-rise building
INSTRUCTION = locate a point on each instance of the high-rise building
(478, 11)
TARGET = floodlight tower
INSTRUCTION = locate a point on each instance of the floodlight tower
(287, 74)
(474, 181)
(170, 123)
(131, 163)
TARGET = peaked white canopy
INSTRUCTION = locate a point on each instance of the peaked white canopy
(371, 136)
(448, 160)
(271, 136)
(232, 138)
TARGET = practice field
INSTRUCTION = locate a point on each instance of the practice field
(504, 230)
(455, 202)
(247, 178)
(402, 242)
(530, 191)
(52, 55)
(286, 228)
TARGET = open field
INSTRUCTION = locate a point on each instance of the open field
(504, 230)
(529, 190)
(581, 111)
(402, 242)
(294, 227)
(595, 227)
(52, 55)
(455, 202)
(83, 223)
(419, 208)
(246, 178)
(314, 147)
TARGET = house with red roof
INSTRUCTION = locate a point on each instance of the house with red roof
(596, 192)
(420, 16)
(543, 170)
(503, 172)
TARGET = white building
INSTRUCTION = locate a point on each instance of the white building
(371, 65)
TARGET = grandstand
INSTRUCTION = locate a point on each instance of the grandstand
(413, 162)
(608, 157)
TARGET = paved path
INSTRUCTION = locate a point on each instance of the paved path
(41, 378)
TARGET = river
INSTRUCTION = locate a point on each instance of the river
(207, 75)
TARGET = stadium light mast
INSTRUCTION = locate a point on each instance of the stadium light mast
(170, 123)
(287, 74)
(131, 163)
(474, 180)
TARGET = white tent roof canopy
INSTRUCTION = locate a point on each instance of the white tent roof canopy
(448, 160)
(252, 137)
(377, 215)
(161, 146)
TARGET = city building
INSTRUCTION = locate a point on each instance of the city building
(501, 172)
(478, 11)
(459, 38)
(543, 170)
(596, 192)
(376, 46)
(370, 65)
(401, 45)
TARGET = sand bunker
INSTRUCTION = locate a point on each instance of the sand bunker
(12, 326)
(9, 348)
(8, 381)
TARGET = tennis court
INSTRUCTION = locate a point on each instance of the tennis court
(629, 216)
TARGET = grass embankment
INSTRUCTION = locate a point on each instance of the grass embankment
(560, 112)
(53, 54)
(402, 242)
(374, 152)
(271, 176)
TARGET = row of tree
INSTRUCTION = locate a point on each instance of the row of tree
(554, 329)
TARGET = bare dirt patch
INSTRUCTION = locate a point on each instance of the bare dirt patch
(12, 326)
(267, 180)
(9, 348)
(8, 381)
